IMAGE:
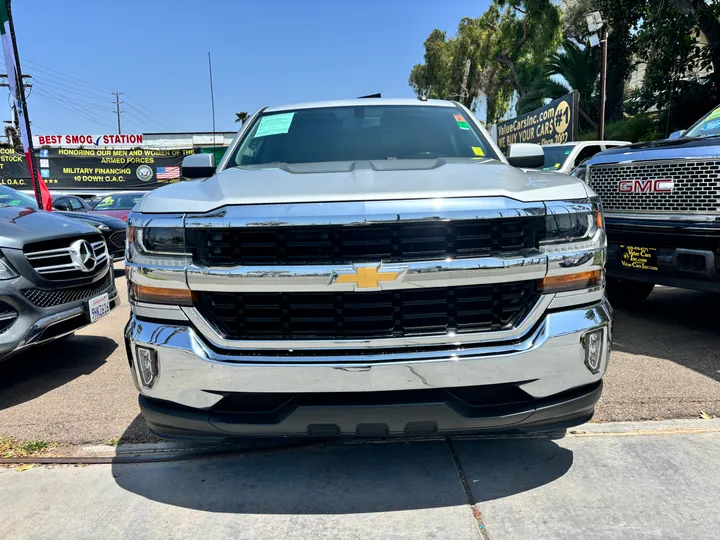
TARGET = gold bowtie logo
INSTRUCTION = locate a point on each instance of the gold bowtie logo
(367, 277)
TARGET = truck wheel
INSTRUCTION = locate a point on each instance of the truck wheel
(627, 294)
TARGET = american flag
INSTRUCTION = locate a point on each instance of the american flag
(168, 173)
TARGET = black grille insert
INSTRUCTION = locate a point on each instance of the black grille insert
(55, 297)
(337, 244)
(117, 240)
(350, 315)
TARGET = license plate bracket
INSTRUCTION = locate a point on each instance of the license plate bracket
(638, 257)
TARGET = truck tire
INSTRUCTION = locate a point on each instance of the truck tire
(627, 294)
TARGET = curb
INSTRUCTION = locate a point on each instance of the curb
(134, 453)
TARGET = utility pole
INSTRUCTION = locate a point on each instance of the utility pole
(603, 79)
(15, 121)
(595, 22)
(117, 109)
(212, 96)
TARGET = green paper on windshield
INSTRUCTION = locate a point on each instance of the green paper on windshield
(567, 152)
(463, 125)
(274, 125)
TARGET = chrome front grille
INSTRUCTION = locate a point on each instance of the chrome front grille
(63, 259)
(342, 244)
(696, 186)
(379, 314)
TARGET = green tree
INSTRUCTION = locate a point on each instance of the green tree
(241, 117)
(505, 46)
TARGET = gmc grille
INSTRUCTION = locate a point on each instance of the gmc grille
(696, 186)
(377, 314)
(342, 244)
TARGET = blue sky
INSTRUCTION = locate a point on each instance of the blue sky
(263, 53)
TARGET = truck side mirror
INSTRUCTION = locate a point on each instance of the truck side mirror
(198, 166)
(676, 134)
(526, 155)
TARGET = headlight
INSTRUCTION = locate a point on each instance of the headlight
(571, 224)
(157, 246)
(574, 241)
(6, 269)
(98, 226)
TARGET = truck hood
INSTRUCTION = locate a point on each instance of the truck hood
(19, 226)
(362, 181)
(681, 148)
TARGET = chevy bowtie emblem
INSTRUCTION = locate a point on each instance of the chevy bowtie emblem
(365, 277)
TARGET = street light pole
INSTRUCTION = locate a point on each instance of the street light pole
(603, 80)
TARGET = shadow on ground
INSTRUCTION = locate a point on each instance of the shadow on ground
(32, 373)
(348, 478)
(676, 325)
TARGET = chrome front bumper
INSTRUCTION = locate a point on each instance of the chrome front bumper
(548, 360)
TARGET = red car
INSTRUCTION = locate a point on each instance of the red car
(117, 205)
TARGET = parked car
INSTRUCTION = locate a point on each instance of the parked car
(71, 203)
(566, 157)
(367, 268)
(662, 212)
(55, 276)
(112, 229)
(117, 205)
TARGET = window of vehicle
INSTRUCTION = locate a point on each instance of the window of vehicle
(61, 204)
(586, 153)
(555, 156)
(118, 201)
(10, 197)
(707, 126)
(76, 205)
(355, 133)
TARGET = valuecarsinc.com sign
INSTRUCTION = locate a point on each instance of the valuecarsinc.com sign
(555, 122)
(125, 139)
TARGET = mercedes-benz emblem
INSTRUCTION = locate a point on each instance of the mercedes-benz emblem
(82, 254)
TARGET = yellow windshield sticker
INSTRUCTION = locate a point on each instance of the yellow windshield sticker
(107, 201)
(714, 114)
(276, 124)
(478, 151)
(557, 165)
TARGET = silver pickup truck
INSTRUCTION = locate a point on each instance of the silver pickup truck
(367, 268)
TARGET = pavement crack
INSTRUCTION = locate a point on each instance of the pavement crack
(468, 492)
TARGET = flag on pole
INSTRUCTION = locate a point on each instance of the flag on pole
(7, 33)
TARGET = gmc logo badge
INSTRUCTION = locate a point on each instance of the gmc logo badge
(646, 186)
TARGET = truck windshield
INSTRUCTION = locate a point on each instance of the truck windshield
(708, 126)
(352, 133)
(555, 156)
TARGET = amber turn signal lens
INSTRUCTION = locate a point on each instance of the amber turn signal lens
(159, 295)
(599, 219)
(569, 282)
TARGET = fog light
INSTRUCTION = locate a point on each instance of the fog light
(147, 366)
(593, 343)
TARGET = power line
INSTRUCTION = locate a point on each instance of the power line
(70, 107)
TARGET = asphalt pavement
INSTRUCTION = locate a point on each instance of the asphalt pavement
(665, 364)
(630, 482)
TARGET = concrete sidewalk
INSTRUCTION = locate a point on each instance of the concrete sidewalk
(643, 480)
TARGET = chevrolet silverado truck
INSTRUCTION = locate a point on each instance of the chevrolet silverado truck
(662, 207)
(367, 268)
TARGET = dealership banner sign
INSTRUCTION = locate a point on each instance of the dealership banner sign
(124, 139)
(95, 168)
(555, 122)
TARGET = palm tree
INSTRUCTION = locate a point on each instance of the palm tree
(241, 117)
(579, 68)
